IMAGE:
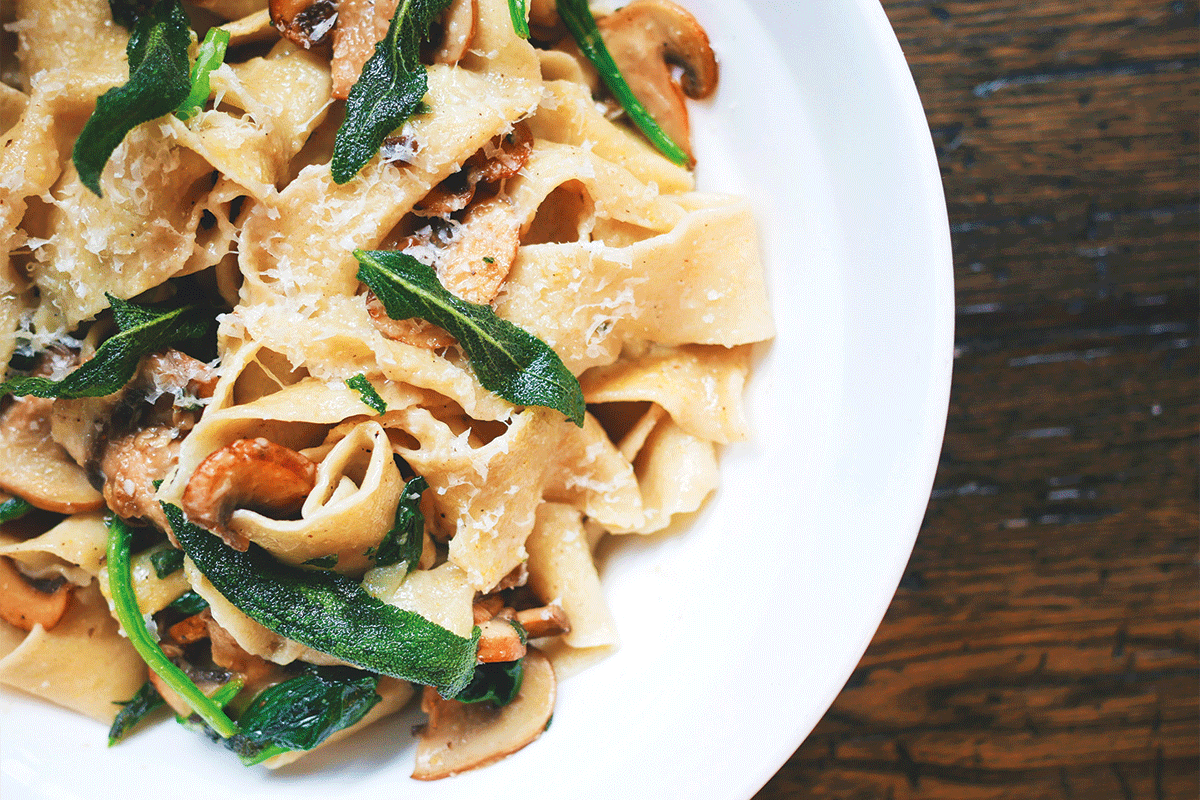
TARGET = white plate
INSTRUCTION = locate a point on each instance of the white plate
(739, 631)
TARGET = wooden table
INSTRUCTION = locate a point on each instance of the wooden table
(1043, 642)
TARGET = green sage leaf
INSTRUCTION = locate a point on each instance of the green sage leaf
(330, 613)
(366, 391)
(497, 683)
(579, 21)
(302, 712)
(209, 57)
(159, 80)
(323, 562)
(188, 603)
(166, 561)
(389, 90)
(133, 711)
(407, 536)
(507, 360)
(141, 330)
(14, 508)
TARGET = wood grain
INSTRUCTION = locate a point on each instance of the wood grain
(1044, 640)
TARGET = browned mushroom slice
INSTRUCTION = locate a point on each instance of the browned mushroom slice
(548, 620)
(360, 24)
(416, 332)
(250, 473)
(36, 467)
(461, 736)
(308, 23)
(24, 603)
(499, 641)
(503, 157)
(648, 39)
(485, 608)
(131, 464)
(477, 262)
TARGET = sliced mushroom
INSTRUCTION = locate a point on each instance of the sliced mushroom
(36, 467)
(416, 332)
(250, 473)
(647, 40)
(308, 23)
(25, 603)
(503, 157)
(257, 672)
(360, 24)
(499, 641)
(131, 464)
(548, 620)
(461, 736)
(476, 263)
(487, 607)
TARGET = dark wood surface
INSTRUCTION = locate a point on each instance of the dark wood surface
(1044, 640)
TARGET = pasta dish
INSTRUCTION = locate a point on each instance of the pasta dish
(338, 336)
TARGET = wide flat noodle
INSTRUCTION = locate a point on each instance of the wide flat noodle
(561, 572)
(83, 663)
(348, 512)
(74, 548)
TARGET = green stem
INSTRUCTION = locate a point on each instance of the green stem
(519, 14)
(582, 25)
(120, 585)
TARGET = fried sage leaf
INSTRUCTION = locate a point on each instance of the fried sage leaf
(141, 330)
(389, 90)
(159, 80)
(406, 539)
(366, 391)
(302, 712)
(330, 613)
(14, 508)
(507, 360)
(133, 711)
(497, 683)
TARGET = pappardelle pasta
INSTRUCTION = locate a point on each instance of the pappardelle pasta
(338, 335)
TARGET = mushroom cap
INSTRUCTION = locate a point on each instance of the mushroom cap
(663, 53)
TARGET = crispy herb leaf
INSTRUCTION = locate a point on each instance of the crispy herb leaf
(142, 330)
(188, 603)
(302, 712)
(496, 683)
(210, 56)
(582, 25)
(507, 360)
(127, 12)
(389, 90)
(323, 562)
(120, 585)
(159, 81)
(14, 508)
(330, 613)
(519, 12)
(133, 711)
(407, 536)
(166, 561)
(366, 391)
